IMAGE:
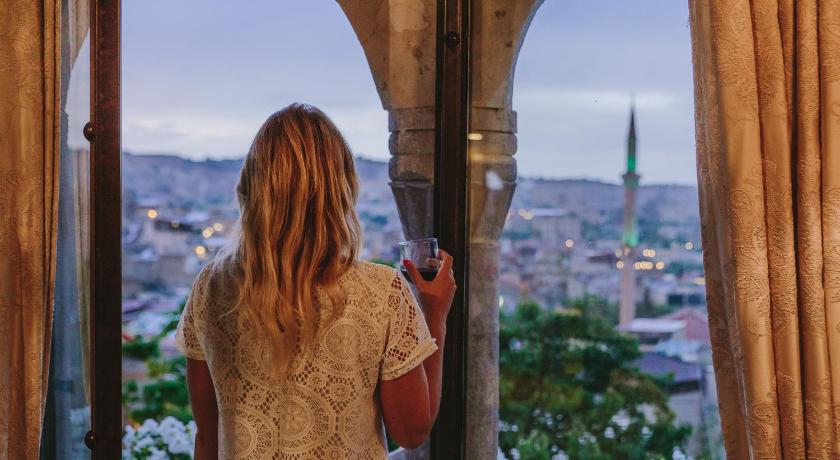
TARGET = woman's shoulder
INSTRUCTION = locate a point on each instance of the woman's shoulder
(216, 280)
(375, 274)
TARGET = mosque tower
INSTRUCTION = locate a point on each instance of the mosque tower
(630, 236)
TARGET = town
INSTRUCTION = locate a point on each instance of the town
(561, 248)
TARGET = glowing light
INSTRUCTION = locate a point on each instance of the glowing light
(207, 232)
(619, 265)
(475, 136)
(660, 265)
(152, 213)
(689, 246)
(200, 250)
(523, 212)
(501, 301)
(646, 265)
(652, 253)
(618, 252)
(218, 227)
(570, 243)
(174, 224)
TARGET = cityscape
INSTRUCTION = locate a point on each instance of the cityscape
(566, 243)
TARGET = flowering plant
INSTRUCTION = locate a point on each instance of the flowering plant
(169, 439)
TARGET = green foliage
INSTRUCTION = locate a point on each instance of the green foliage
(380, 261)
(165, 392)
(141, 348)
(596, 307)
(567, 384)
(679, 268)
(648, 309)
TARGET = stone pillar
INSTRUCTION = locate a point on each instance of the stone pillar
(499, 29)
(398, 37)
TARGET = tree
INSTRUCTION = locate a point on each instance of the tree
(567, 384)
(596, 307)
(648, 309)
(165, 392)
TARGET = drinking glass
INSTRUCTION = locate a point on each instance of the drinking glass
(424, 254)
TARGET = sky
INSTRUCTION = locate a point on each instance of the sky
(200, 76)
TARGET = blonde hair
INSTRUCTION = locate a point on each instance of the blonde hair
(298, 228)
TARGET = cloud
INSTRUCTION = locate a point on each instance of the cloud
(364, 126)
(612, 101)
(198, 134)
(193, 134)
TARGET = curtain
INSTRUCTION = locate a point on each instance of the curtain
(767, 109)
(29, 126)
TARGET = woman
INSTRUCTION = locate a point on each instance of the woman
(295, 349)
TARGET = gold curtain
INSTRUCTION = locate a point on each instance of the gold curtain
(29, 135)
(767, 103)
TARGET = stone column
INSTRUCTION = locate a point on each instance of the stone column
(398, 37)
(499, 28)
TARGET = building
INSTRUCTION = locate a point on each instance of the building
(630, 236)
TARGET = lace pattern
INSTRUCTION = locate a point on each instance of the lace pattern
(328, 407)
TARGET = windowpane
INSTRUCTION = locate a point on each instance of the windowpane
(598, 293)
(199, 79)
(67, 416)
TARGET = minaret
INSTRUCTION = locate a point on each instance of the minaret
(630, 237)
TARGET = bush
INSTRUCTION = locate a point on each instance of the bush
(567, 384)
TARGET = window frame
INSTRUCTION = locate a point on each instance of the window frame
(105, 437)
(452, 99)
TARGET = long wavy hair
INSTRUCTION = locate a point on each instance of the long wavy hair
(298, 229)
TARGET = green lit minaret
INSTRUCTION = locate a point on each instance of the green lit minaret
(630, 236)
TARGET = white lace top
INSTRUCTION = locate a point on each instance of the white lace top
(329, 409)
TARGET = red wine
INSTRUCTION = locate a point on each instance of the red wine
(428, 274)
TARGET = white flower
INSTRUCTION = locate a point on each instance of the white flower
(180, 446)
(144, 442)
(158, 441)
(148, 427)
(171, 432)
(130, 436)
(157, 454)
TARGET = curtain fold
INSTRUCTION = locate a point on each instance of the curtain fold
(767, 110)
(29, 146)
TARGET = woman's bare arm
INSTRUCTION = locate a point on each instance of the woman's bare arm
(405, 408)
(205, 410)
(410, 403)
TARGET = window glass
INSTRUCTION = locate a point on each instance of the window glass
(67, 414)
(199, 78)
(598, 293)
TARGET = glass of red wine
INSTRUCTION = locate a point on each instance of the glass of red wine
(424, 254)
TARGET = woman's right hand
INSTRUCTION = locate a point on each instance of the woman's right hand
(436, 295)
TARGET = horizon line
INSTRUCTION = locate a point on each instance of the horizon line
(362, 156)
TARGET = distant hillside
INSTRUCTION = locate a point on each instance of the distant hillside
(179, 182)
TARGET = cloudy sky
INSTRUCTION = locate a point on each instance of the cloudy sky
(200, 76)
